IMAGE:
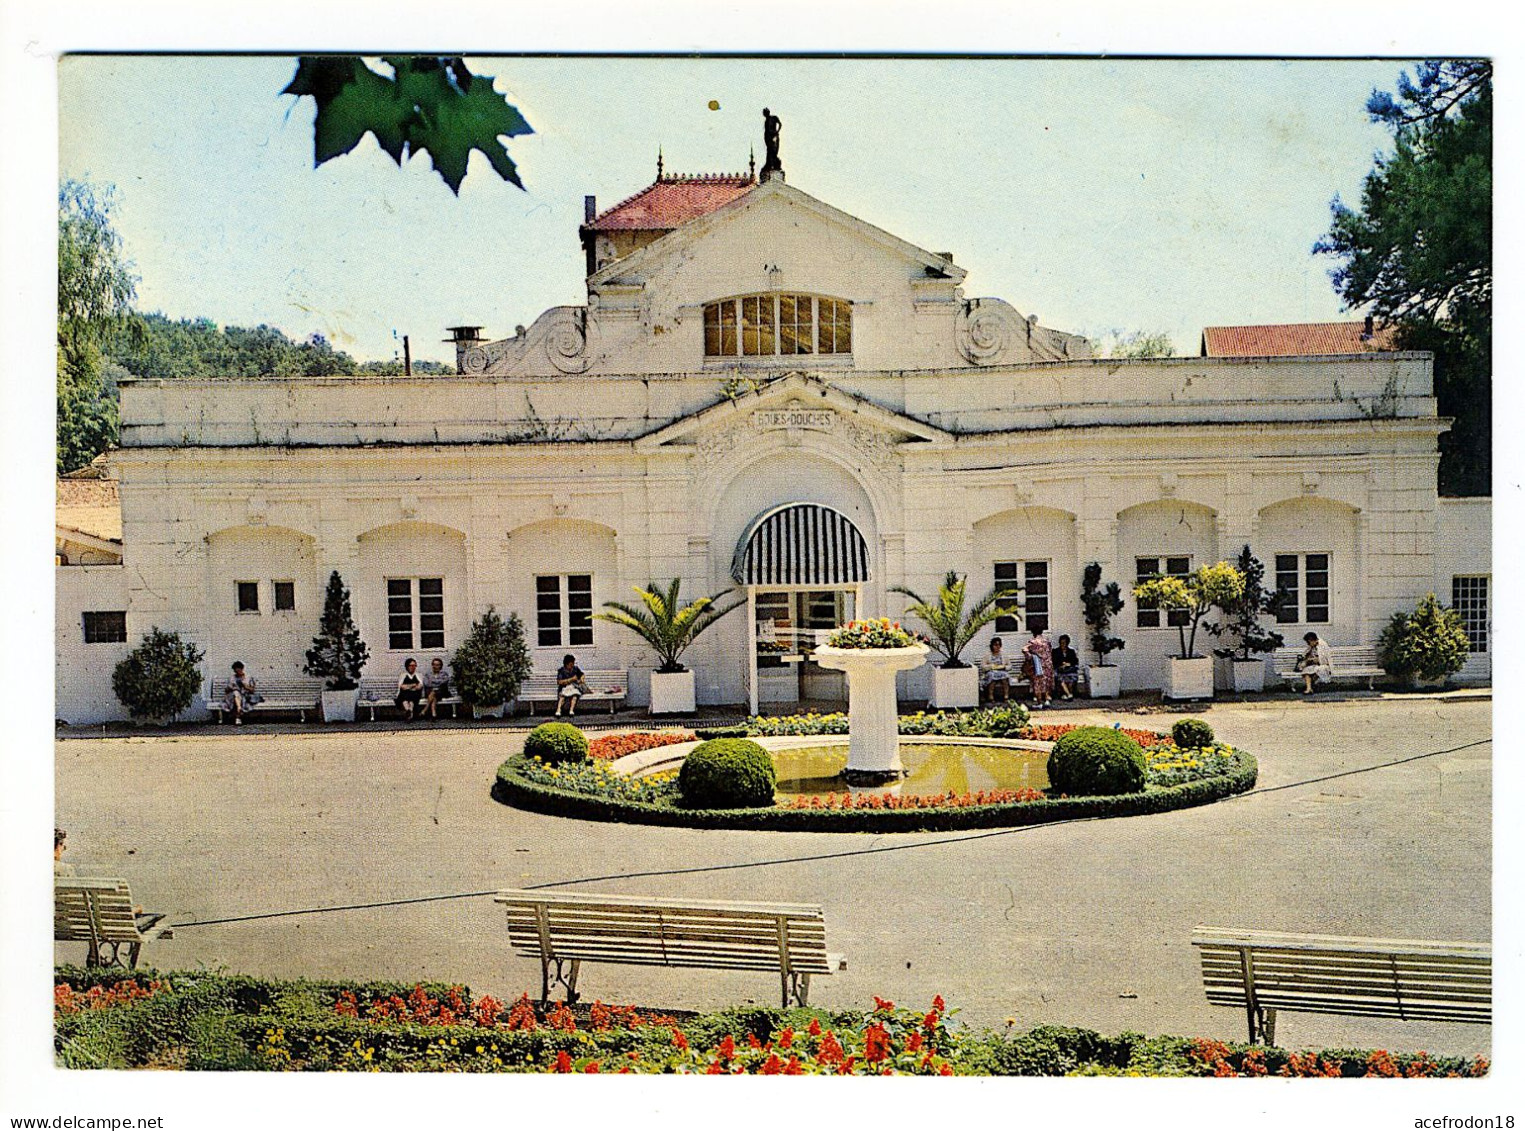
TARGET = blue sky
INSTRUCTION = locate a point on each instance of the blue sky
(1143, 194)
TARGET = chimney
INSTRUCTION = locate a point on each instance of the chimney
(1366, 334)
(589, 209)
(465, 338)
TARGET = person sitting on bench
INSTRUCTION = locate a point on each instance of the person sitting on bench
(436, 687)
(410, 689)
(1316, 663)
(995, 674)
(61, 867)
(238, 694)
(1066, 668)
(569, 685)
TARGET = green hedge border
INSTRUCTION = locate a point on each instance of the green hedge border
(512, 788)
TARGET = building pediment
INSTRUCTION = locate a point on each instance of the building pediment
(796, 403)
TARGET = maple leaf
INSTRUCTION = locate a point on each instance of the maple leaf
(431, 103)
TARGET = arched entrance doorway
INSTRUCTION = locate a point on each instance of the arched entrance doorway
(803, 566)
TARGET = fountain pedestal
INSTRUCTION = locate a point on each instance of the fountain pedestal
(873, 750)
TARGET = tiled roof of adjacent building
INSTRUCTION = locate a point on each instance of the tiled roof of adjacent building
(90, 506)
(1296, 339)
(671, 201)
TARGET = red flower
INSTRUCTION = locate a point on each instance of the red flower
(563, 1062)
(939, 1005)
(753, 1042)
(876, 1044)
(592, 1068)
(929, 1022)
(913, 1043)
(726, 1049)
(680, 1042)
(561, 1018)
(772, 1066)
(786, 1038)
(793, 1067)
(945, 1070)
(882, 1006)
(815, 1028)
(830, 1051)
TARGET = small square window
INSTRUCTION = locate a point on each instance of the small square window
(248, 596)
(106, 628)
(285, 596)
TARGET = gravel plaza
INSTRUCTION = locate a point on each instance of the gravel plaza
(1083, 924)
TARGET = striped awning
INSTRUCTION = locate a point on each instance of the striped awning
(801, 544)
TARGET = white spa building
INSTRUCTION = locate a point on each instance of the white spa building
(768, 394)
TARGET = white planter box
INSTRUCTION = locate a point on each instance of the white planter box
(955, 687)
(672, 693)
(1189, 679)
(339, 706)
(1104, 682)
(1250, 675)
(480, 712)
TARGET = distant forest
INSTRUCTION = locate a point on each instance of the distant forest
(152, 345)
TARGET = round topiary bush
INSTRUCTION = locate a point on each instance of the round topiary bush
(1189, 734)
(1095, 762)
(556, 742)
(727, 773)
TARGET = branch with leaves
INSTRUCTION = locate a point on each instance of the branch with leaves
(429, 103)
(951, 626)
(664, 622)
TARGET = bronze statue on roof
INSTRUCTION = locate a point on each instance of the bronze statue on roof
(771, 127)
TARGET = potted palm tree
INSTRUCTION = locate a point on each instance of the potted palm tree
(337, 655)
(952, 626)
(1101, 604)
(1253, 640)
(1189, 676)
(669, 627)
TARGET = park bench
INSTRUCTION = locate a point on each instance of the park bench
(379, 691)
(299, 695)
(604, 686)
(1411, 979)
(565, 930)
(99, 912)
(1349, 661)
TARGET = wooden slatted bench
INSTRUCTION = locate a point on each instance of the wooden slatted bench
(604, 686)
(99, 912)
(565, 930)
(1349, 661)
(299, 695)
(1410, 979)
(379, 691)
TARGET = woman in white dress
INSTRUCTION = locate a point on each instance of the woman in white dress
(1316, 663)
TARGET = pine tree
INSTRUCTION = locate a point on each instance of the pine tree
(337, 655)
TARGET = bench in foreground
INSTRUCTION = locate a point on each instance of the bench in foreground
(1410, 979)
(98, 911)
(565, 930)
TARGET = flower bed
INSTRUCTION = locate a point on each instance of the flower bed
(881, 633)
(231, 1022)
(612, 746)
(598, 779)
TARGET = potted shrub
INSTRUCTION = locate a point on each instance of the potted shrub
(1101, 604)
(337, 655)
(1425, 646)
(669, 627)
(159, 678)
(1189, 676)
(952, 627)
(490, 664)
(1252, 640)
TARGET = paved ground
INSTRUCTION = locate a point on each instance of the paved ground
(1084, 924)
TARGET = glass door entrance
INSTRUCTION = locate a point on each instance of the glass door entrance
(788, 624)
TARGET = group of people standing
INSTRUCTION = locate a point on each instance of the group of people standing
(1044, 665)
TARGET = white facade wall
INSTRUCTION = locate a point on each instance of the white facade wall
(82, 687)
(1463, 548)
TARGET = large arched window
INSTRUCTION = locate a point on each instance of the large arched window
(776, 324)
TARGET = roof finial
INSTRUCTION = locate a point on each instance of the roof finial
(659, 162)
(752, 162)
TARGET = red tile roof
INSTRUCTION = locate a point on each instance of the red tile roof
(671, 201)
(1295, 339)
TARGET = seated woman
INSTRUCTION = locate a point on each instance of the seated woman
(1066, 668)
(1316, 663)
(436, 687)
(569, 685)
(410, 689)
(238, 694)
(995, 674)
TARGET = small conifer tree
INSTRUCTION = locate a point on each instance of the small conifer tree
(337, 655)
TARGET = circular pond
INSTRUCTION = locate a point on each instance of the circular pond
(932, 769)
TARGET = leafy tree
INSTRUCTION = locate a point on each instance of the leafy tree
(668, 626)
(430, 103)
(159, 678)
(1429, 643)
(1245, 610)
(1419, 250)
(1100, 605)
(337, 655)
(96, 290)
(1133, 344)
(1197, 593)
(489, 666)
(951, 626)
